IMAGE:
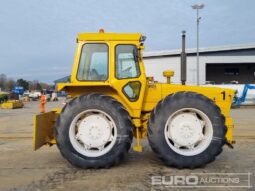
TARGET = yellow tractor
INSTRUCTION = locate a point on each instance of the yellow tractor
(113, 100)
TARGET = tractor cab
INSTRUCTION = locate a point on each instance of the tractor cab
(109, 62)
(94, 62)
(103, 57)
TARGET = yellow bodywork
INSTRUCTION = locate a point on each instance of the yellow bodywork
(151, 92)
(12, 104)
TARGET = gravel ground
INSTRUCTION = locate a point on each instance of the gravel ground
(23, 169)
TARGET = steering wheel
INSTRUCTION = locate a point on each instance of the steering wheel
(94, 74)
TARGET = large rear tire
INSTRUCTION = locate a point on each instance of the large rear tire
(186, 130)
(94, 131)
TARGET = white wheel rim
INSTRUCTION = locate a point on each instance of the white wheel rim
(93, 133)
(188, 131)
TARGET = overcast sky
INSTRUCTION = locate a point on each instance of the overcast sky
(38, 37)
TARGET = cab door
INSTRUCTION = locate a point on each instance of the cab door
(129, 75)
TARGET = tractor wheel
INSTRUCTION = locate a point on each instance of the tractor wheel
(94, 131)
(186, 130)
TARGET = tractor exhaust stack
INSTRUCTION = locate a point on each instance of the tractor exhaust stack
(183, 59)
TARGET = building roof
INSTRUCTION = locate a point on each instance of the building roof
(63, 80)
(192, 51)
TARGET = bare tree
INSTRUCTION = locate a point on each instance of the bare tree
(3, 79)
(9, 85)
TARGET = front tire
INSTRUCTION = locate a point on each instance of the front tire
(94, 131)
(186, 130)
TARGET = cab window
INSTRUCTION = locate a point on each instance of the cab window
(132, 90)
(93, 65)
(126, 62)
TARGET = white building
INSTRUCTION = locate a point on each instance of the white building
(217, 64)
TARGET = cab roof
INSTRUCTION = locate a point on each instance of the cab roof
(101, 36)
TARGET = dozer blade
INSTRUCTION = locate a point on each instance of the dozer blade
(44, 129)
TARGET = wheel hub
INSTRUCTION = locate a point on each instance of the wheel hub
(185, 129)
(94, 131)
